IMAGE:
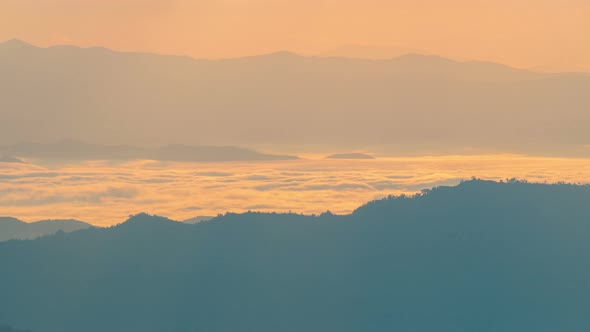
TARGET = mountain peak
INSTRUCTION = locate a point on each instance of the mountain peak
(286, 54)
(424, 58)
(144, 218)
(16, 43)
(11, 220)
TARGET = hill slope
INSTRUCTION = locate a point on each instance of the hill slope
(481, 256)
(11, 228)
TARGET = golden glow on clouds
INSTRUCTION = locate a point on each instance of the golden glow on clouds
(522, 33)
(105, 193)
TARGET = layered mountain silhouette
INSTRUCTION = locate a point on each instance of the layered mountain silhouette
(480, 256)
(75, 150)
(410, 104)
(12, 228)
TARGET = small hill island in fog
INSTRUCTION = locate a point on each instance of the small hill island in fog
(350, 156)
(6, 159)
(71, 150)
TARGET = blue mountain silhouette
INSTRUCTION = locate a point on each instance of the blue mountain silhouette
(12, 228)
(480, 256)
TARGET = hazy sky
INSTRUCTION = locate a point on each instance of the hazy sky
(522, 33)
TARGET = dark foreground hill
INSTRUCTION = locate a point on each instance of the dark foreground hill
(481, 256)
(5, 328)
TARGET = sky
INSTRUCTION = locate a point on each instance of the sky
(546, 34)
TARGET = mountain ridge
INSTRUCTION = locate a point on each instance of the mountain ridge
(285, 54)
(478, 255)
(16, 229)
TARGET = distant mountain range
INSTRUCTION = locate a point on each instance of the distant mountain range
(411, 104)
(74, 150)
(12, 228)
(480, 256)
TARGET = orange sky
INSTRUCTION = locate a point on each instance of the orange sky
(522, 33)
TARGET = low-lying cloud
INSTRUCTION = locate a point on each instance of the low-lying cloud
(105, 193)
